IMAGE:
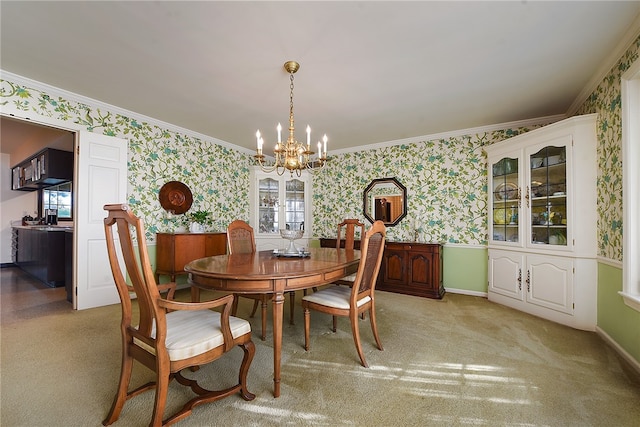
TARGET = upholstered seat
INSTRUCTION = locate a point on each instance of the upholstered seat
(190, 333)
(335, 297)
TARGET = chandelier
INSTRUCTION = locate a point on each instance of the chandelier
(292, 155)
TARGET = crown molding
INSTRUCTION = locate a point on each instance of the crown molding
(55, 91)
(456, 133)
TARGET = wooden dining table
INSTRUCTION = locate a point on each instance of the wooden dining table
(266, 272)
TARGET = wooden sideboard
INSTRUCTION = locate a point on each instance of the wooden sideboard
(331, 243)
(408, 268)
(175, 250)
(412, 268)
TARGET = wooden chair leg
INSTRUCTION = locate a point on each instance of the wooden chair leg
(263, 316)
(249, 350)
(292, 305)
(307, 320)
(162, 390)
(121, 393)
(195, 294)
(355, 330)
(335, 323)
(374, 327)
(254, 309)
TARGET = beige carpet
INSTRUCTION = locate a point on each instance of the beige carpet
(456, 362)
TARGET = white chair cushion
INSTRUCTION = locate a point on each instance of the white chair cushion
(350, 278)
(190, 333)
(334, 296)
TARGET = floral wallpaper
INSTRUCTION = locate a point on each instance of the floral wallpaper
(446, 181)
(445, 178)
(155, 157)
(606, 101)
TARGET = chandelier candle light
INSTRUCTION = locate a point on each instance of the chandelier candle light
(292, 155)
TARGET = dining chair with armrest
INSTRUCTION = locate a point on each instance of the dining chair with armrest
(170, 335)
(241, 240)
(352, 301)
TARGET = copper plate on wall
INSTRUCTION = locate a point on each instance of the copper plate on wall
(176, 196)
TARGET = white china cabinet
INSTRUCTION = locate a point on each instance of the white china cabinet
(280, 202)
(542, 222)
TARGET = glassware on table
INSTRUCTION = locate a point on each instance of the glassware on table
(291, 235)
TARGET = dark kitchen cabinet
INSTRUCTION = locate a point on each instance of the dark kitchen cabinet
(412, 268)
(48, 167)
(41, 254)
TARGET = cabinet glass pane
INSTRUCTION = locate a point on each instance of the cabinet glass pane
(506, 200)
(294, 204)
(548, 196)
(268, 190)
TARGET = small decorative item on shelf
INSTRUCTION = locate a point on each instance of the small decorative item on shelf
(291, 235)
(557, 239)
(198, 220)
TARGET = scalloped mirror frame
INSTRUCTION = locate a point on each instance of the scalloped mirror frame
(393, 201)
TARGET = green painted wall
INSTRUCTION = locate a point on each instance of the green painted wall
(465, 268)
(618, 320)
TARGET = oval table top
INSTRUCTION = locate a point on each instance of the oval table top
(255, 272)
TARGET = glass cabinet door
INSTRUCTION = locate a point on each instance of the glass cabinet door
(268, 202)
(506, 200)
(548, 196)
(294, 204)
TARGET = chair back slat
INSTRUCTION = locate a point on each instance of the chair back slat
(137, 267)
(371, 252)
(349, 225)
(240, 237)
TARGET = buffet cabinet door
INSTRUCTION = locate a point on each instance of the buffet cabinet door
(506, 273)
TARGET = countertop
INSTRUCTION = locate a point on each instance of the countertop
(44, 227)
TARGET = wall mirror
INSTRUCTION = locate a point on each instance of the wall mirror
(385, 199)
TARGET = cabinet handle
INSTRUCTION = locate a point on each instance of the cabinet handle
(528, 280)
(527, 196)
(519, 279)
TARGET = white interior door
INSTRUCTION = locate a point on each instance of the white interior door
(101, 179)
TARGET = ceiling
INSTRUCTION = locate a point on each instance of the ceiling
(370, 71)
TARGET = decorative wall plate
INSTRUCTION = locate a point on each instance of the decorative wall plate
(506, 191)
(175, 197)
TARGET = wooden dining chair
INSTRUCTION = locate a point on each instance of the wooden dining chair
(352, 301)
(169, 335)
(241, 240)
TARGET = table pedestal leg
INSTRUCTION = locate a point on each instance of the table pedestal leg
(278, 308)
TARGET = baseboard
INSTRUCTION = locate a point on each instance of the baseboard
(7, 265)
(466, 292)
(621, 351)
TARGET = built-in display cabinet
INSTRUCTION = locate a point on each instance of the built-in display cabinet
(542, 222)
(280, 202)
